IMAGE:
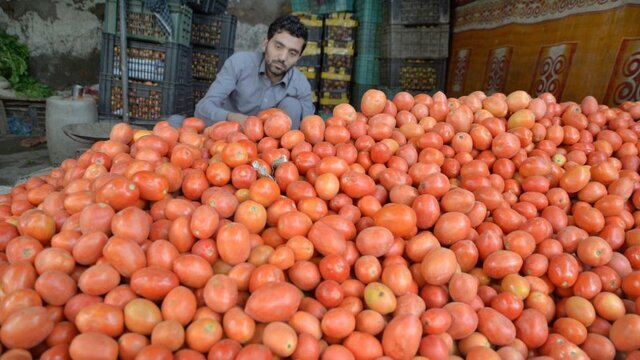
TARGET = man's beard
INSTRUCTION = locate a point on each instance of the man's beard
(273, 68)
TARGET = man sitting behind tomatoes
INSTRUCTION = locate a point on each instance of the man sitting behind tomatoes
(250, 82)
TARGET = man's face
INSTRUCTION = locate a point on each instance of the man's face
(282, 52)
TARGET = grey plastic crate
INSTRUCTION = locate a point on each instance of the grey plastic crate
(216, 31)
(215, 7)
(207, 62)
(423, 42)
(147, 104)
(413, 74)
(142, 24)
(416, 12)
(168, 62)
(200, 89)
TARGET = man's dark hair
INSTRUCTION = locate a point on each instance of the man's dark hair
(292, 25)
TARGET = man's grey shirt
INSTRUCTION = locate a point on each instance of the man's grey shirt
(242, 86)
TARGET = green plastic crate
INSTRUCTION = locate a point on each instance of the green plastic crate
(369, 10)
(367, 69)
(305, 6)
(333, 6)
(368, 39)
(142, 25)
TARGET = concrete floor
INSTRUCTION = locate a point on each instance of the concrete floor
(18, 162)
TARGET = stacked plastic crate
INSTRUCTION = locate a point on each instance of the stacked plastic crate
(337, 60)
(311, 60)
(213, 36)
(414, 45)
(159, 66)
(367, 64)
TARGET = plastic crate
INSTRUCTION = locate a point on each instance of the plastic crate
(426, 42)
(215, 7)
(310, 61)
(166, 62)
(337, 58)
(313, 23)
(200, 89)
(305, 6)
(413, 74)
(207, 62)
(311, 55)
(358, 90)
(415, 12)
(333, 6)
(366, 69)
(310, 72)
(328, 100)
(147, 103)
(369, 10)
(31, 112)
(314, 84)
(335, 81)
(368, 39)
(142, 25)
(340, 27)
(217, 31)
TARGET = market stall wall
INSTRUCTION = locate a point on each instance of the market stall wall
(571, 49)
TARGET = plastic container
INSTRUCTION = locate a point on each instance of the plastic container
(340, 27)
(337, 58)
(217, 31)
(311, 55)
(167, 62)
(415, 12)
(424, 42)
(31, 113)
(413, 74)
(366, 69)
(368, 39)
(207, 62)
(314, 25)
(305, 6)
(147, 104)
(369, 11)
(215, 7)
(328, 100)
(335, 81)
(142, 25)
(61, 111)
(310, 72)
(333, 6)
(310, 61)
(200, 89)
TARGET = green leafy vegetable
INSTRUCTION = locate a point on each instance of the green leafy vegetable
(13, 66)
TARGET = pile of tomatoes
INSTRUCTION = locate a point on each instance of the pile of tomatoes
(426, 227)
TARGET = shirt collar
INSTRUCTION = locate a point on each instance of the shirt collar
(262, 70)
